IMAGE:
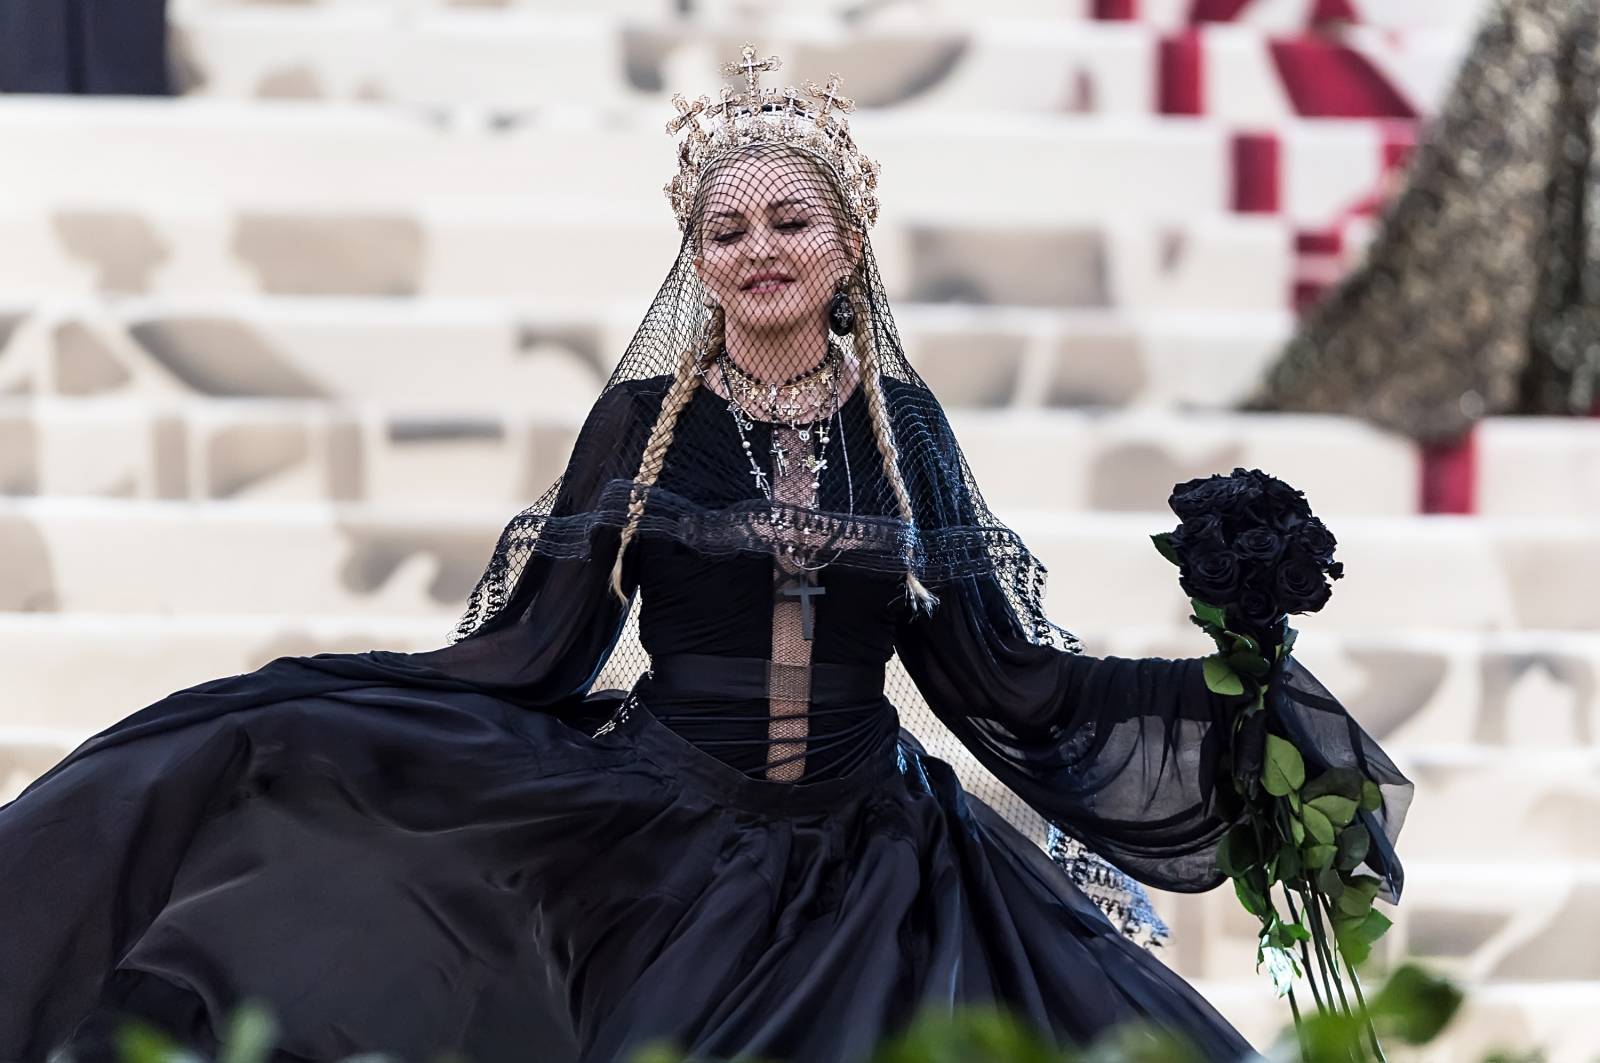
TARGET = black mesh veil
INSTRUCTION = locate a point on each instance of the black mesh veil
(745, 321)
(766, 407)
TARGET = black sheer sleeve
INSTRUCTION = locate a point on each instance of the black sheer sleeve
(1125, 755)
(1128, 756)
(547, 640)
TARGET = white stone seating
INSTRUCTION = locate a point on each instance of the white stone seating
(311, 451)
(582, 252)
(1278, 15)
(1011, 167)
(520, 59)
(1459, 573)
(554, 356)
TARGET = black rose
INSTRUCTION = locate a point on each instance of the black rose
(1315, 538)
(1258, 607)
(1198, 533)
(1259, 544)
(1210, 495)
(1287, 521)
(1301, 587)
(1212, 575)
(1283, 497)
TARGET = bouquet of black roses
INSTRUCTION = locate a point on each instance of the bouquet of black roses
(1249, 553)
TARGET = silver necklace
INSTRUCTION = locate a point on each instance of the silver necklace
(790, 411)
(816, 461)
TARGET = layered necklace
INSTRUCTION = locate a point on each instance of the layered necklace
(808, 405)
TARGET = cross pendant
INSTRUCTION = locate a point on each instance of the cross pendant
(805, 587)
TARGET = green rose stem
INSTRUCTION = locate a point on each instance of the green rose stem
(1303, 834)
(1294, 1005)
(1355, 984)
(1305, 953)
(1313, 898)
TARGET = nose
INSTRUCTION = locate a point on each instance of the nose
(759, 243)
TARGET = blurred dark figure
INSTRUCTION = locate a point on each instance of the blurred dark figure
(1481, 293)
(101, 47)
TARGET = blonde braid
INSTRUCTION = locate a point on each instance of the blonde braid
(883, 430)
(655, 448)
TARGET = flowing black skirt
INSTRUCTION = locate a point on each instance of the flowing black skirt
(417, 867)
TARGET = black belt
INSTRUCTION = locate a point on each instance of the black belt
(712, 676)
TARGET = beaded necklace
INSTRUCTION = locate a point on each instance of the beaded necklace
(789, 401)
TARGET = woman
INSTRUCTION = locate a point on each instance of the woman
(470, 850)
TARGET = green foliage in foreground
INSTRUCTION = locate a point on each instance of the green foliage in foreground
(1412, 1008)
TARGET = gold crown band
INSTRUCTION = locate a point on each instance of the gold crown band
(813, 121)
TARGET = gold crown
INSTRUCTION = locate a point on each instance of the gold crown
(814, 121)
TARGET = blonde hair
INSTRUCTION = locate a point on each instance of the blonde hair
(688, 379)
(661, 433)
(883, 428)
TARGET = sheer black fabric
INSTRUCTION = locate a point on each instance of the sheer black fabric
(380, 812)
(477, 849)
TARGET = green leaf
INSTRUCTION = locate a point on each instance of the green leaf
(1248, 664)
(1371, 796)
(1289, 865)
(141, 1044)
(1339, 810)
(1416, 1006)
(1254, 900)
(1328, 880)
(1354, 904)
(251, 1034)
(1294, 801)
(968, 1034)
(1317, 825)
(1354, 843)
(1346, 782)
(1357, 898)
(1298, 829)
(1209, 614)
(1283, 771)
(1357, 938)
(1319, 857)
(1220, 679)
(1238, 852)
(1164, 546)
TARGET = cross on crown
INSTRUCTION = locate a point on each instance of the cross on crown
(814, 120)
(751, 68)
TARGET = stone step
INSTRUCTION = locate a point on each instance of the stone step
(455, 249)
(1014, 168)
(309, 451)
(554, 355)
(1484, 920)
(1272, 15)
(1557, 1018)
(71, 555)
(1452, 705)
(520, 59)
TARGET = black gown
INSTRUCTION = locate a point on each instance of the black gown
(472, 850)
